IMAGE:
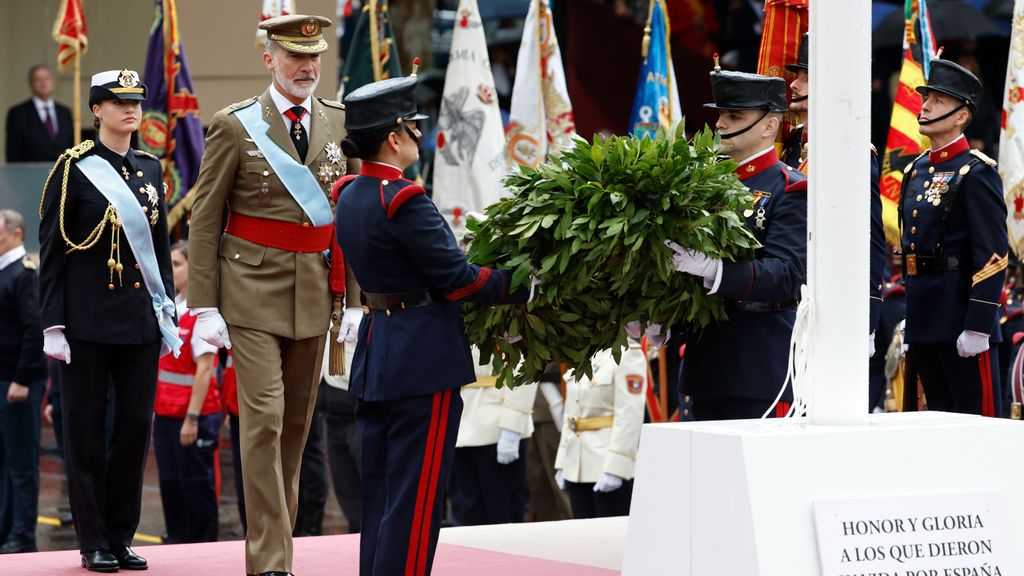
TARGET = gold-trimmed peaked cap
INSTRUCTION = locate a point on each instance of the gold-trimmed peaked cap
(116, 85)
(298, 32)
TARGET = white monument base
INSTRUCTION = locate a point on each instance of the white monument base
(736, 498)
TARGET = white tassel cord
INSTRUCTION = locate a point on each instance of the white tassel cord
(799, 358)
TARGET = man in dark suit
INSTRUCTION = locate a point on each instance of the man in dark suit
(38, 129)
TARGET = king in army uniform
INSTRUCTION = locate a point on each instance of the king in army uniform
(761, 293)
(263, 284)
(955, 251)
(413, 355)
(105, 285)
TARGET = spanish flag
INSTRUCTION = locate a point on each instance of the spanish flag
(905, 142)
(785, 22)
(69, 32)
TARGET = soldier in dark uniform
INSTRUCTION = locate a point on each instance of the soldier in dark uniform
(955, 251)
(412, 354)
(22, 380)
(797, 158)
(762, 293)
(105, 284)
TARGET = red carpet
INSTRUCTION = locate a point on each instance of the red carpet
(320, 556)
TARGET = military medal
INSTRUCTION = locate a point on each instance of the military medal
(326, 173)
(759, 221)
(124, 172)
(297, 130)
(938, 186)
(333, 152)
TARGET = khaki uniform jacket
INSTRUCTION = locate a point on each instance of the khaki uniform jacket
(485, 411)
(617, 390)
(275, 291)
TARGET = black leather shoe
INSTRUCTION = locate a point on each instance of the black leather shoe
(15, 547)
(275, 574)
(129, 560)
(99, 561)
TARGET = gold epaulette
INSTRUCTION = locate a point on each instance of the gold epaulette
(981, 156)
(243, 104)
(28, 263)
(145, 154)
(79, 150)
(910, 166)
(331, 103)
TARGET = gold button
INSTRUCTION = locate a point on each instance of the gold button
(913, 246)
(931, 169)
(266, 172)
(686, 412)
(914, 213)
(306, 224)
(913, 229)
(137, 285)
(137, 266)
(139, 173)
(384, 182)
(110, 286)
(919, 197)
(913, 174)
(145, 209)
(237, 255)
(686, 398)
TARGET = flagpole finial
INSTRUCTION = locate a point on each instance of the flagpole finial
(718, 65)
(415, 66)
(938, 53)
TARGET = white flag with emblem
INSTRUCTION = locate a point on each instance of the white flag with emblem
(541, 121)
(469, 163)
(1011, 139)
(271, 9)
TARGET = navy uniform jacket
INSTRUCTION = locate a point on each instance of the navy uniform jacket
(21, 338)
(746, 355)
(73, 287)
(941, 305)
(396, 241)
(792, 147)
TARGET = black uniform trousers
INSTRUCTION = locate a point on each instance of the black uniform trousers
(407, 452)
(489, 492)
(732, 408)
(19, 464)
(187, 478)
(589, 504)
(344, 453)
(955, 384)
(105, 484)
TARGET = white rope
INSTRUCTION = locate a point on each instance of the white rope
(799, 358)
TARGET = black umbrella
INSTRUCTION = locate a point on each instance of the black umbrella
(950, 19)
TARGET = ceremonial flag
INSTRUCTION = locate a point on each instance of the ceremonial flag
(272, 9)
(470, 160)
(373, 52)
(541, 121)
(69, 32)
(171, 128)
(1011, 139)
(785, 22)
(657, 97)
(905, 142)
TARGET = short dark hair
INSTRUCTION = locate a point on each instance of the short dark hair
(32, 71)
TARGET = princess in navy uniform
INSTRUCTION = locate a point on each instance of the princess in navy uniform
(105, 286)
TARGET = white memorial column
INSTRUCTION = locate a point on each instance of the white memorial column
(838, 218)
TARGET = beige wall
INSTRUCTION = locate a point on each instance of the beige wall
(218, 36)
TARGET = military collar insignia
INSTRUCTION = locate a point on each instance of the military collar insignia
(757, 165)
(333, 152)
(954, 148)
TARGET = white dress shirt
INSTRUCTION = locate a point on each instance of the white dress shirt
(283, 104)
(42, 108)
(11, 256)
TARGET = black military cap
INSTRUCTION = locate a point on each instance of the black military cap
(955, 80)
(802, 62)
(382, 104)
(741, 91)
(116, 85)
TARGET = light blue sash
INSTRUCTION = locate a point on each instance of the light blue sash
(297, 179)
(140, 238)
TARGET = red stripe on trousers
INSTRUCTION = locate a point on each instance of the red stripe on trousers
(987, 400)
(781, 409)
(421, 490)
(421, 559)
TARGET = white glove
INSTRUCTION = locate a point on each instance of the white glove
(971, 343)
(55, 345)
(534, 283)
(871, 344)
(553, 396)
(350, 320)
(607, 483)
(634, 329)
(655, 335)
(697, 264)
(211, 328)
(560, 479)
(902, 327)
(508, 446)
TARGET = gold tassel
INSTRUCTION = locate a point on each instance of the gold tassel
(336, 358)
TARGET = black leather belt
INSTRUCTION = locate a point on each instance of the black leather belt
(399, 300)
(917, 264)
(752, 306)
